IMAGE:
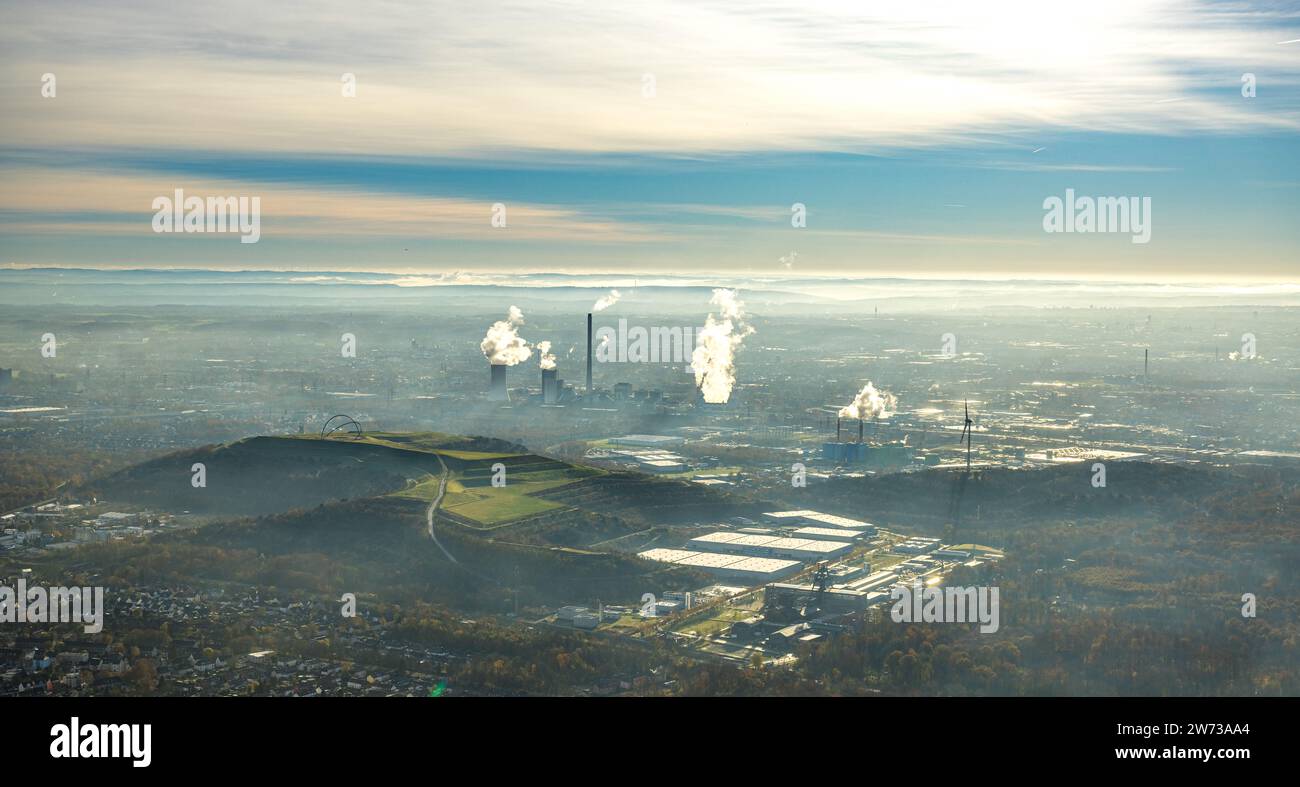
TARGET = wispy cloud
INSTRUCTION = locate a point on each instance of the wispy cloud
(756, 104)
(52, 201)
(448, 78)
(1034, 166)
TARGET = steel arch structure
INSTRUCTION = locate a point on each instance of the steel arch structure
(341, 423)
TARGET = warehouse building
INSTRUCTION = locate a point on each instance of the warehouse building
(647, 440)
(806, 518)
(877, 581)
(917, 546)
(578, 617)
(953, 554)
(661, 466)
(827, 534)
(736, 567)
(771, 546)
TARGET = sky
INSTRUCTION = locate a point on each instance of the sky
(921, 139)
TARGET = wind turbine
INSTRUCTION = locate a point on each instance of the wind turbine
(966, 433)
(959, 485)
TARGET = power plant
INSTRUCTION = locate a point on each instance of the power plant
(877, 454)
(842, 452)
(503, 346)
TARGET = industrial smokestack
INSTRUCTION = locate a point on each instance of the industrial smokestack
(497, 389)
(837, 430)
(588, 353)
(860, 422)
(1146, 360)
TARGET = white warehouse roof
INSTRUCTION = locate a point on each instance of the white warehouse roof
(823, 533)
(818, 518)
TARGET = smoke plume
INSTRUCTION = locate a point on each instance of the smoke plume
(714, 358)
(546, 358)
(869, 404)
(503, 344)
(606, 301)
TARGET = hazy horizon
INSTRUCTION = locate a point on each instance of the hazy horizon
(423, 276)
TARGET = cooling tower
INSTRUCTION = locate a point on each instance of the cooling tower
(550, 387)
(497, 390)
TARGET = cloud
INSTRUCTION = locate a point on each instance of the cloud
(52, 200)
(1034, 166)
(456, 79)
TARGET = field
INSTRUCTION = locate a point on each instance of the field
(721, 618)
(470, 494)
(496, 506)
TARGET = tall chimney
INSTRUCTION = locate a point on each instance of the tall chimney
(1146, 360)
(859, 430)
(837, 430)
(588, 353)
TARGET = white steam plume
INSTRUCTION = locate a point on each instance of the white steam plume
(714, 358)
(503, 344)
(546, 358)
(869, 404)
(606, 301)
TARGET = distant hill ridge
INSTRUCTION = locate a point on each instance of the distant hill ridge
(271, 474)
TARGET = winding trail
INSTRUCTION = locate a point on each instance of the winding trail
(433, 512)
(433, 509)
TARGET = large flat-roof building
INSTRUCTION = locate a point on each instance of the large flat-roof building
(827, 534)
(917, 546)
(661, 466)
(739, 567)
(647, 440)
(771, 546)
(875, 581)
(807, 518)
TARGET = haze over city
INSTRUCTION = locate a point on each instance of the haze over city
(685, 349)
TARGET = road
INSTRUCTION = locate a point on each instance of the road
(433, 508)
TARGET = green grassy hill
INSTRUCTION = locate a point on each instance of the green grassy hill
(265, 475)
(310, 512)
